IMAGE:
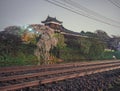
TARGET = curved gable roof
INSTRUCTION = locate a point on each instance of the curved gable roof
(51, 19)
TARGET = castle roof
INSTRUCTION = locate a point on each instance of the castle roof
(52, 20)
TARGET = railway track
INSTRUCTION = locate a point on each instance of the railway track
(17, 78)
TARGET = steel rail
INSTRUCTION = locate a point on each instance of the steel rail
(30, 75)
(28, 68)
(54, 79)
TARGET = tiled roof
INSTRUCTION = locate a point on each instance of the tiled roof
(51, 19)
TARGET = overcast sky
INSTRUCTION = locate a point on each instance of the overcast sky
(21, 12)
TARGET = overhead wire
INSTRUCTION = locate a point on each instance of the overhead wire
(114, 3)
(62, 5)
(90, 12)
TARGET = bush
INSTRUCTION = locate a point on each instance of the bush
(70, 54)
(20, 60)
(109, 55)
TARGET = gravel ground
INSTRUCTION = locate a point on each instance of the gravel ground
(95, 82)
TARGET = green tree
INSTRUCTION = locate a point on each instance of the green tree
(84, 45)
(60, 44)
(9, 43)
(96, 49)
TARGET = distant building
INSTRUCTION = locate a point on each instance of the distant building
(118, 48)
(114, 43)
(58, 27)
(53, 23)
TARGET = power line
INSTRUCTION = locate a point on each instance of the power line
(68, 6)
(90, 12)
(59, 4)
(114, 3)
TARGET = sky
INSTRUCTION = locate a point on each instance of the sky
(22, 12)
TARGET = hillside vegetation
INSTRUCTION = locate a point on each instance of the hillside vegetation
(38, 44)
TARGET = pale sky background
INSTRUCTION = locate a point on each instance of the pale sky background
(21, 12)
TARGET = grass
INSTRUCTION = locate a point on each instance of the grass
(109, 55)
(19, 60)
(67, 54)
(71, 55)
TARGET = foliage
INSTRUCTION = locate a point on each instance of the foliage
(29, 38)
(20, 60)
(96, 49)
(89, 34)
(14, 30)
(14, 52)
(102, 35)
(84, 45)
(46, 42)
(69, 54)
(114, 43)
(117, 54)
(61, 40)
(51, 47)
(89, 48)
(60, 45)
(22, 56)
(110, 54)
(9, 44)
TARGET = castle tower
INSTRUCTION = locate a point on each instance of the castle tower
(53, 23)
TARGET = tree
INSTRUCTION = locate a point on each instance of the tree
(89, 34)
(9, 43)
(114, 42)
(84, 45)
(102, 35)
(90, 47)
(96, 49)
(60, 44)
(14, 30)
(45, 43)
